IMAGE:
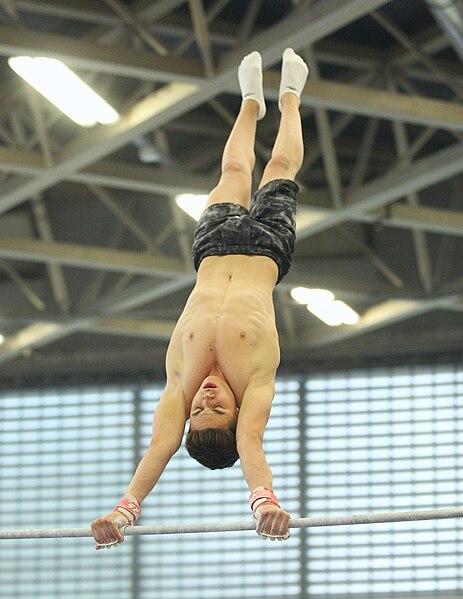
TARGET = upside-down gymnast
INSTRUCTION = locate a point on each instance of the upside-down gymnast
(224, 351)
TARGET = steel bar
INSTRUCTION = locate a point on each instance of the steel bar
(53, 533)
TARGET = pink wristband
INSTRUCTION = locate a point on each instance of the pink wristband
(263, 494)
(133, 507)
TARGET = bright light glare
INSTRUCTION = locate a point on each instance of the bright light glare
(2, 339)
(192, 204)
(334, 313)
(323, 305)
(326, 314)
(349, 316)
(303, 295)
(64, 89)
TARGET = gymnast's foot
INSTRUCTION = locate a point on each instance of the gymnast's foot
(250, 78)
(294, 73)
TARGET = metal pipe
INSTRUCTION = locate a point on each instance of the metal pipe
(449, 15)
(54, 533)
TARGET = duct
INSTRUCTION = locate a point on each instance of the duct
(449, 15)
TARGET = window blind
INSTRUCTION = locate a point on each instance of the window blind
(383, 441)
(338, 443)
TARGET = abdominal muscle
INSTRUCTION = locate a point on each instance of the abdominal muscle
(228, 322)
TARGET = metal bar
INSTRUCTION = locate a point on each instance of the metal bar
(61, 533)
(198, 17)
(211, 14)
(55, 271)
(360, 168)
(25, 289)
(137, 26)
(394, 185)
(85, 54)
(325, 136)
(93, 257)
(370, 102)
(420, 244)
(248, 21)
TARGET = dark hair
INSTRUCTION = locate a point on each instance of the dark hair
(213, 447)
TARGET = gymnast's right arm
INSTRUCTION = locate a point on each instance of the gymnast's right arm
(168, 426)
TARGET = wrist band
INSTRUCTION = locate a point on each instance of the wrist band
(127, 505)
(263, 493)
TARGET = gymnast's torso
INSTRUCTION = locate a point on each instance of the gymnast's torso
(229, 322)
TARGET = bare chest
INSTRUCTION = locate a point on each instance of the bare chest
(235, 331)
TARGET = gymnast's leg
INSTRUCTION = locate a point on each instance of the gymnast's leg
(288, 150)
(238, 156)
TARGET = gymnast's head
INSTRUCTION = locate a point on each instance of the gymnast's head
(211, 439)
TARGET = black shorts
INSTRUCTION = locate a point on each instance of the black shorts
(267, 229)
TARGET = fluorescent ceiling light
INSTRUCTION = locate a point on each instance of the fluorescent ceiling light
(192, 204)
(303, 295)
(324, 306)
(334, 313)
(64, 89)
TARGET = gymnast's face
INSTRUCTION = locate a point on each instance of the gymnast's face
(213, 406)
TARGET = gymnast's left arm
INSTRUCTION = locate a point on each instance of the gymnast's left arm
(168, 427)
(271, 520)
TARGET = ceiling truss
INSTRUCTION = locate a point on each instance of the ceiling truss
(179, 84)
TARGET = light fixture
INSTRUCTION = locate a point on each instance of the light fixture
(322, 304)
(64, 89)
(2, 339)
(303, 295)
(334, 313)
(192, 204)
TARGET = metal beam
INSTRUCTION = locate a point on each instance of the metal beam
(297, 30)
(401, 216)
(203, 40)
(422, 254)
(92, 257)
(377, 317)
(135, 327)
(155, 110)
(328, 150)
(370, 102)
(83, 54)
(106, 173)
(82, 10)
(301, 29)
(394, 185)
(143, 33)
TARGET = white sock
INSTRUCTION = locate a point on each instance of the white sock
(294, 73)
(250, 78)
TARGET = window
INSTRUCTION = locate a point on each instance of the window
(338, 443)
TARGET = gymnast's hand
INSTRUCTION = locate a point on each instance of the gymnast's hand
(106, 530)
(272, 522)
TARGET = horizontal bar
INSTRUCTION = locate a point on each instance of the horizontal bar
(53, 533)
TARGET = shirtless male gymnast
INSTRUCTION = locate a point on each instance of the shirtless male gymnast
(224, 351)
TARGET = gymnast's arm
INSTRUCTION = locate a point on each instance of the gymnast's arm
(168, 427)
(252, 420)
(271, 520)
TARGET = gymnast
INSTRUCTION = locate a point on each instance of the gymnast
(223, 355)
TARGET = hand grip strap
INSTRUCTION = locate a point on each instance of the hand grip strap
(263, 494)
(129, 507)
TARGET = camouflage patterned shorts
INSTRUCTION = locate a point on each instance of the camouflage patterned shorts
(267, 229)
